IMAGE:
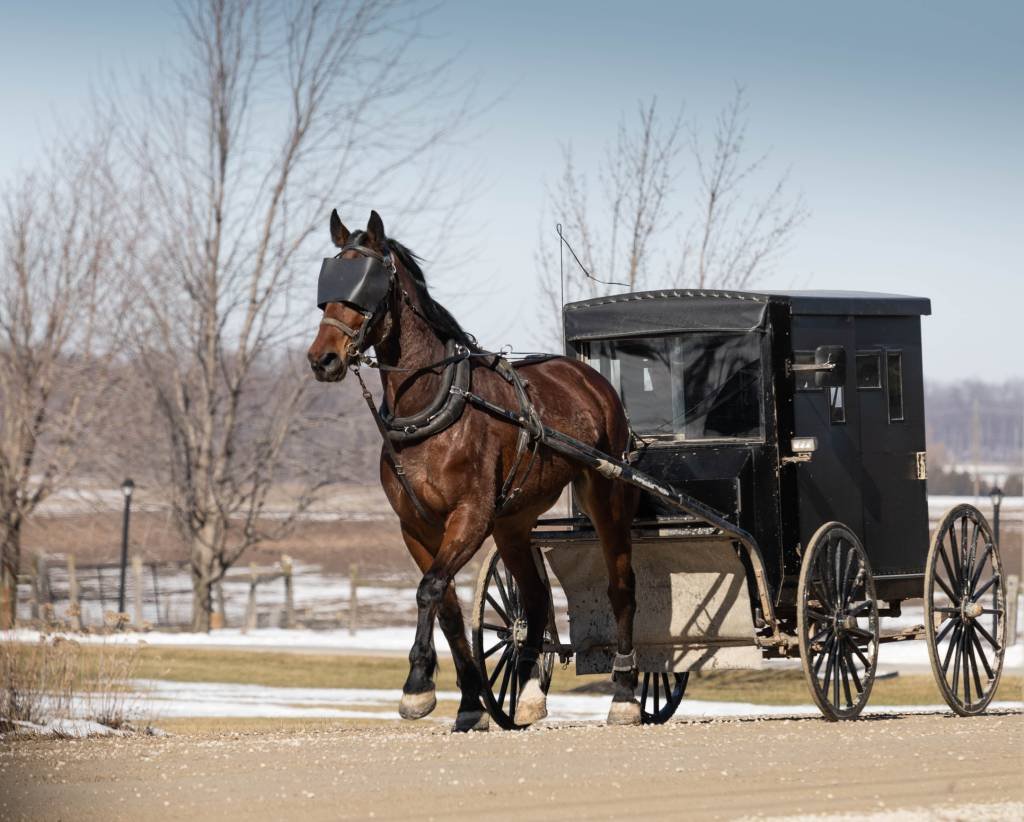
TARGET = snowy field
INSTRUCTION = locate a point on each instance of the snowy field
(154, 700)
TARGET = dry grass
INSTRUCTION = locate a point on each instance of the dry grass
(772, 686)
(57, 678)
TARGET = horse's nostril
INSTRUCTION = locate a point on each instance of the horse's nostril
(329, 361)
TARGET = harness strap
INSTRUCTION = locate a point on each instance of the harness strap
(342, 327)
(393, 454)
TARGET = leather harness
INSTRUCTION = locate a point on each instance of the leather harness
(454, 391)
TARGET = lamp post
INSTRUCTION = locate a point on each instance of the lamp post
(996, 495)
(126, 488)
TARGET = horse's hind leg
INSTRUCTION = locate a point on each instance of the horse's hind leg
(513, 541)
(611, 506)
(471, 715)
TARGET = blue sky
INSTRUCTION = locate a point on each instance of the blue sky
(900, 123)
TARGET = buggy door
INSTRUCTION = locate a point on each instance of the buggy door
(829, 486)
(889, 396)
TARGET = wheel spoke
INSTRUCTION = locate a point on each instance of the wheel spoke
(957, 656)
(860, 610)
(942, 584)
(818, 637)
(513, 694)
(991, 640)
(860, 654)
(967, 668)
(836, 674)
(490, 626)
(643, 689)
(504, 682)
(669, 694)
(828, 671)
(954, 555)
(949, 626)
(963, 549)
(657, 702)
(981, 653)
(500, 644)
(505, 600)
(867, 636)
(823, 655)
(818, 616)
(952, 647)
(848, 579)
(498, 609)
(949, 570)
(974, 663)
(851, 666)
(501, 664)
(981, 591)
(846, 679)
(980, 566)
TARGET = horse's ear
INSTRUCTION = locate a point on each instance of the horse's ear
(375, 229)
(339, 234)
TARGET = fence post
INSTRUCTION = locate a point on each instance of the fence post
(1012, 594)
(156, 593)
(353, 598)
(74, 606)
(137, 579)
(288, 618)
(250, 605)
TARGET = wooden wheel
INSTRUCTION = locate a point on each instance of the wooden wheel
(965, 610)
(660, 695)
(499, 633)
(837, 622)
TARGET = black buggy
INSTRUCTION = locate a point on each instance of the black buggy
(781, 448)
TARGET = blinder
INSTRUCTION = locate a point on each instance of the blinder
(362, 283)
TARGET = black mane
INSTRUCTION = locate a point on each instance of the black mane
(439, 318)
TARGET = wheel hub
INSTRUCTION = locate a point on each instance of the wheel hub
(519, 628)
(971, 610)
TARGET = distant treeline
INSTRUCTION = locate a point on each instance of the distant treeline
(974, 421)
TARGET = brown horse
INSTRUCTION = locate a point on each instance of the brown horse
(459, 474)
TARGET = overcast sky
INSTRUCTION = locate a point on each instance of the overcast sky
(902, 124)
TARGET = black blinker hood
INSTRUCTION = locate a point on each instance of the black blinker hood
(362, 283)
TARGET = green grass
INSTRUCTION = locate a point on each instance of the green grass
(283, 669)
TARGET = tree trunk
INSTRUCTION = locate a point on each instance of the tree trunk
(202, 601)
(10, 560)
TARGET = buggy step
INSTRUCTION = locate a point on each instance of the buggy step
(917, 632)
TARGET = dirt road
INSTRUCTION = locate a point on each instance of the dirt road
(693, 770)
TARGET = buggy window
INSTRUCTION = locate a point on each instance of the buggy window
(894, 384)
(697, 386)
(869, 372)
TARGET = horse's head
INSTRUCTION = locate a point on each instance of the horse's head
(353, 292)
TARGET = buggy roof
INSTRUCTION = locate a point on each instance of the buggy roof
(642, 313)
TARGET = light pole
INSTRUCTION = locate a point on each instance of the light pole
(126, 488)
(996, 495)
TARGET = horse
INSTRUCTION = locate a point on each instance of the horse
(451, 488)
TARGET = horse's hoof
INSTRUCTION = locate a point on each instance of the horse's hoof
(624, 713)
(532, 705)
(417, 706)
(471, 721)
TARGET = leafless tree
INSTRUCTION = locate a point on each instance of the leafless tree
(281, 112)
(61, 258)
(642, 233)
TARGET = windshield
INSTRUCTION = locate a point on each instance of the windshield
(696, 386)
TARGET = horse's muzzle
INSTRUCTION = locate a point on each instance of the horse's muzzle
(328, 367)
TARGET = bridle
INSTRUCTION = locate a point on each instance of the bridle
(357, 337)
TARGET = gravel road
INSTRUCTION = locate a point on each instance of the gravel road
(899, 767)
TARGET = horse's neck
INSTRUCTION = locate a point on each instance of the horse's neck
(412, 345)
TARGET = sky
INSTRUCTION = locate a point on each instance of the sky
(900, 124)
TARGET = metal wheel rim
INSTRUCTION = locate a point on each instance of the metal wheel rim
(964, 572)
(495, 651)
(660, 695)
(837, 622)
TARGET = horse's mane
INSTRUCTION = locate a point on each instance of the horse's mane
(438, 317)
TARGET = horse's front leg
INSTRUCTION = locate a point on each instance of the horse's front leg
(465, 530)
